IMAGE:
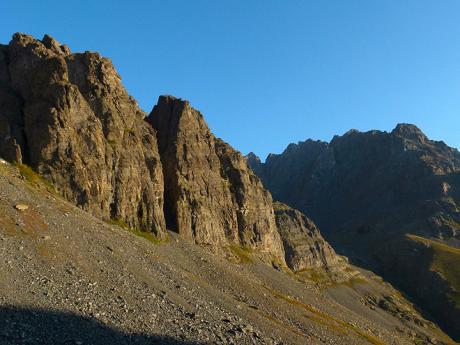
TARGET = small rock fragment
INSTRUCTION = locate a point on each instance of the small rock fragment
(21, 207)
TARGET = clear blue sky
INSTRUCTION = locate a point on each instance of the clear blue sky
(266, 73)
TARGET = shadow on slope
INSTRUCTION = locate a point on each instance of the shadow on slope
(35, 326)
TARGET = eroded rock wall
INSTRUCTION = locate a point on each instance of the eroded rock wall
(304, 246)
(211, 195)
(69, 117)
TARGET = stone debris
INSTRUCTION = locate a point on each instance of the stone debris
(21, 207)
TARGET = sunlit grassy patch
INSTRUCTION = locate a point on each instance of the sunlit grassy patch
(242, 254)
(34, 178)
(336, 325)
(144, 234)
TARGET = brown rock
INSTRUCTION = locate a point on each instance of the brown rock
(76, 124)
(21, 207)
(211, 195)
(304, 246)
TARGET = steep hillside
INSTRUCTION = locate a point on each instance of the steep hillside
(69, 278)
(366, 191)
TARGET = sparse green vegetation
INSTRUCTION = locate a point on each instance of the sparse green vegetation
(445, 260)
(327, 320)
(242, 253)
(352, 283)
(144, 234)
(118, 222)
(313, 275)
(34, 178)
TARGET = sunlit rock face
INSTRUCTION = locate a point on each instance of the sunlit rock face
(211, 195)
(69, 117)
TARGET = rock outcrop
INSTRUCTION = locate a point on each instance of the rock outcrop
(211, 195)
(304, 246)
(366, 191)
(69, 117)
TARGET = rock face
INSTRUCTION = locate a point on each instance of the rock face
(369, 189)
(211, 195)
(304, 246)
(69, 118)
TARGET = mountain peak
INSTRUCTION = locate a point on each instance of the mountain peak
(44, 46)
(251, 157)
(409, 131)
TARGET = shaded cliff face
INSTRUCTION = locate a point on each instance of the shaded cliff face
(211, 195)
(69, 117)
(369, 189)
(304, 246)
(362, 183)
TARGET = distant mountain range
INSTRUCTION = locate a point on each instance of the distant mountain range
(389, 201)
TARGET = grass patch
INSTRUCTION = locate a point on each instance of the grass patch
(34, 178)
(118, 222)
(324, 319)
(144, 234)
(282, 325)
(242, 253)
(352, 282)
(445, 260)
(313, 275)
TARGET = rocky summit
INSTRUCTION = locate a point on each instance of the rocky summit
(390, 201)
(124, 227)
(211, 195)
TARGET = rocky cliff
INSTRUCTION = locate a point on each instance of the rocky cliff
(211, 195)
(69, 118)
(366, 191)
(304, 246)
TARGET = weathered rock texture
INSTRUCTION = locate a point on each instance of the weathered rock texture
(69, 117)
(304, 246)
(211, 195)
(366, 191)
